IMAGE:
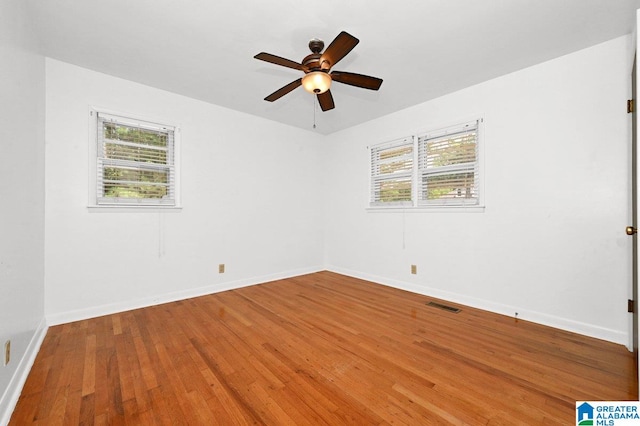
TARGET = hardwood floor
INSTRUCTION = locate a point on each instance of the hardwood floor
(317, 349)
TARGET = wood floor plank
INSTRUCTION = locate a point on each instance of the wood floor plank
(87, 409)
(89, 367)
(317, 349)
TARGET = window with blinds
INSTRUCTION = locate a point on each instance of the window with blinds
(135, 162)
(438, 168)
(448, 166)
(392, 173)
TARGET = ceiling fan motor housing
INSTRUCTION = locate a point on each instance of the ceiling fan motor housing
(312, 63)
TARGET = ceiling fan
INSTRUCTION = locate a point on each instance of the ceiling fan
(317, 69)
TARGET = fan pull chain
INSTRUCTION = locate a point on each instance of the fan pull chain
(315, 107)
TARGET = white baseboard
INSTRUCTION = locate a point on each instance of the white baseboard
(12, 392)
(97, 311)
(590, 330)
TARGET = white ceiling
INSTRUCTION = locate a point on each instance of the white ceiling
(422, 49)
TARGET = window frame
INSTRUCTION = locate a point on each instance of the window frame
(417, 204)
(142, 204)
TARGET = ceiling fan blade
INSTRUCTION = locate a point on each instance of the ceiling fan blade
(326, 101)
(338, 49)
(358, 80)
(284, 90)
(268, 57)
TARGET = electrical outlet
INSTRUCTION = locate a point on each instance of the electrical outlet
(414, 269)
(7, 352)
(221, 268)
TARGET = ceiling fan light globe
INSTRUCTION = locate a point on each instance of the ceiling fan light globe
(316, 82)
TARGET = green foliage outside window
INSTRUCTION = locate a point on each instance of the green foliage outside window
(394, 191)
(449, 186)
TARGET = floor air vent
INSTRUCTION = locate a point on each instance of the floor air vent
(443, 307)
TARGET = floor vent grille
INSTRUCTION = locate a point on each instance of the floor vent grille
(443, 307)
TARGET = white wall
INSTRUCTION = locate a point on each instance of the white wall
(249, 193)
(22, 195)
(550, 244)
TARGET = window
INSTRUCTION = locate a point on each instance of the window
(391, 173)
(448, 166)
(135, 162)
(444, 171)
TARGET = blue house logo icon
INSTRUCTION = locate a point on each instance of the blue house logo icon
(585, 414)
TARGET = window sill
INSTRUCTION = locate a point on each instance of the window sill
(130, 209)
(427, 209)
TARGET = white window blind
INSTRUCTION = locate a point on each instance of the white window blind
(448, 166)
(392, 173)
(135, 162)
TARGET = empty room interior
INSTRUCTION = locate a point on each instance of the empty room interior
(205, 222)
